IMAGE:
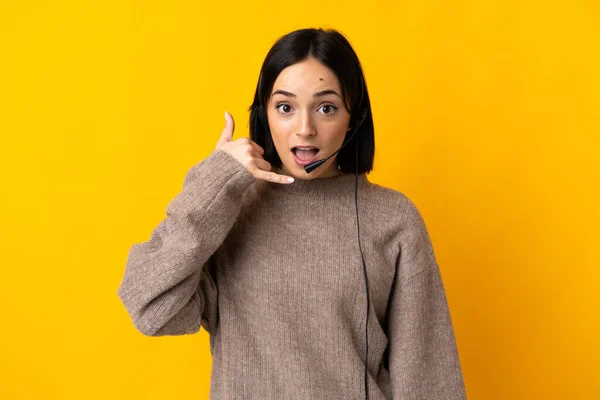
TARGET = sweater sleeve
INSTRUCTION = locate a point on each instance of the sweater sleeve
(168, 287)
(423, 356)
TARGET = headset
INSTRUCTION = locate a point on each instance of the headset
(262, 115)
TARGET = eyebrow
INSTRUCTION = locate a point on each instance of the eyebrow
(318, 94)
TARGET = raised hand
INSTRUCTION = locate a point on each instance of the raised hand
(249, 153)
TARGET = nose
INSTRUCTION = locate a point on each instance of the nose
(306, 125)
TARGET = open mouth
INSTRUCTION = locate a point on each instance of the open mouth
(305, 153)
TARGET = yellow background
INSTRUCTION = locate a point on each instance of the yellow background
(487, 116)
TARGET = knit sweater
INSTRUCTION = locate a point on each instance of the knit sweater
(274, 274)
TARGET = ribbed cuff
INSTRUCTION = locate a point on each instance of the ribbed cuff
(206, 180)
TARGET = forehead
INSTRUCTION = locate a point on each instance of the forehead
(306, 77)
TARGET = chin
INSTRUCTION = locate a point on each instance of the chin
(298, 171)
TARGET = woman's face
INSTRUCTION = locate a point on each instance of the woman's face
(306, 109)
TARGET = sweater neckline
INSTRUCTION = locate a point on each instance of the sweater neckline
(333, 186)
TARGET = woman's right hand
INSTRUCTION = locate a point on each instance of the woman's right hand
(247, 152)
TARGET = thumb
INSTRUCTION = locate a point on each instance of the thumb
(227, 133)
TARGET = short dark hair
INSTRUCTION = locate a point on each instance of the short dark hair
(333, 50)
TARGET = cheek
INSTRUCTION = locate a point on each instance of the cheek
(333, 133)
(280, 137)
(280, 131)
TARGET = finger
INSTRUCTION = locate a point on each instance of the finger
(263, 164)
(227, 133)
(256, 147)
(272, 176)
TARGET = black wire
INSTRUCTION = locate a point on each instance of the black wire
(366, 279)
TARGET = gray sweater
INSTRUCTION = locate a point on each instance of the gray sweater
(274, 274)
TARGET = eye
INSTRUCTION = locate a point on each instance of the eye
(327, 108)
(282, 104)
(330, 107)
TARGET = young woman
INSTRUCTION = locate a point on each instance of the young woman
(273, 270)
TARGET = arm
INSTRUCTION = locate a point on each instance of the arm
(424, 360)
(168, 287)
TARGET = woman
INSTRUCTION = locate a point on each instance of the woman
(271, 268)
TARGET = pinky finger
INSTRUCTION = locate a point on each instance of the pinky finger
(273, 177)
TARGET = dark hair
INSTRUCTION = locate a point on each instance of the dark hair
(334, 51)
